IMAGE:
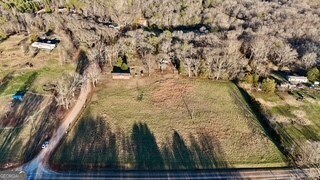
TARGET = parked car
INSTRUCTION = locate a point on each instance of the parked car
(300, 98)
(45, 145)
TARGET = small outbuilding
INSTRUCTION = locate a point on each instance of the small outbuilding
(297, 79)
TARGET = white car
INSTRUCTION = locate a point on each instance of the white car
(45, 144)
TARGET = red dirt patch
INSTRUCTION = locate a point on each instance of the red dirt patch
(169, 93)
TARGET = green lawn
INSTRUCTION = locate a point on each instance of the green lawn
(296, 121)
(167, 124)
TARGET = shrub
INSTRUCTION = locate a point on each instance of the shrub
(313, 74)
(24, 6)
(268, 85)
(75, 4)
(124, 66)
(3, 36)
(48, 9)
(248, 78)
(154, 41)
(34, 38)
(255, 80)
(181, 68)
(119, 62)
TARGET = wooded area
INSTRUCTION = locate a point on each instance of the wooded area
(209, 38)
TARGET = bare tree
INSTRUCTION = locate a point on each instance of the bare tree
(111, 54)
(225, 61)
(66, 88)
(145, 50)
(97, 54)
(163, 59)
(188, 62)
(93, 73)
(259, 50)
(186, 52)
(309, 60)
(196, 66)
(282, 54)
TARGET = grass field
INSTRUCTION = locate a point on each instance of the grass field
(167, 124)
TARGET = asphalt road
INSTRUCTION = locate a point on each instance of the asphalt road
(214, 174)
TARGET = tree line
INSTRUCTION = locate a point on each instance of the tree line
(215, 39)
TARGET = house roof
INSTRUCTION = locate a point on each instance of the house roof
(297, 77)
(121, 74)
(48, 41)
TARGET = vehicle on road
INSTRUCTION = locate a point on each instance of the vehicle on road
(45, 145)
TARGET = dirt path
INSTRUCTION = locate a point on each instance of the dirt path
(39, 163)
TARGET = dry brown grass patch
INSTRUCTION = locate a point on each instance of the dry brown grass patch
(170, 93)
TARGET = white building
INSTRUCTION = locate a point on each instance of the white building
(42, 45)
(297, 79)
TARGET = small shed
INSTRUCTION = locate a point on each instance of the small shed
(297, 79)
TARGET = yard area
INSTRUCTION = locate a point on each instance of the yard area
(16, 71)
(20, 144)
(25, 125)
(297, 121)
(20, 72)
(157, 123)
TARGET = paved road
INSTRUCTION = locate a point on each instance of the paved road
(214, 174)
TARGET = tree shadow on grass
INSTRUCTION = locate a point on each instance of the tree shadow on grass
(48, 122)
(207, 151)
(204, 152)
(5, 82)
(92, 147)
(9, 147)
(27, 84)
(19, 112)
(310, 133)
(83, 62)
(182, 154)
(41, 129)
(146, 152)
